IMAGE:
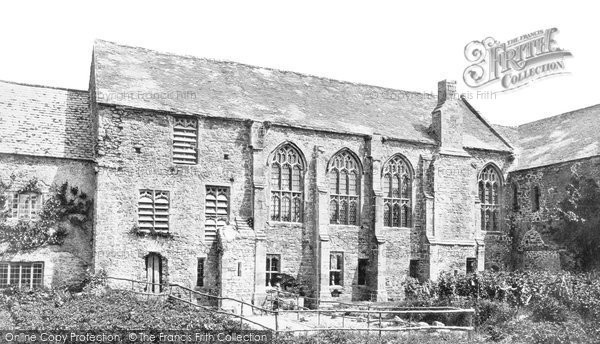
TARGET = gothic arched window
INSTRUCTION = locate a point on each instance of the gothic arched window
(287, 184)
(397, 192)
(344, 188)
(490, 189)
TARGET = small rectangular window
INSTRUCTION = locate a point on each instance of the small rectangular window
(200, 277)
(273, 269)
(185, 141)
(471, 265)
(153, 210)
(414, 268)
(22, 275)
(25, 206)
(362, 271)
(336, 268)
(216, 211)
(239, 269)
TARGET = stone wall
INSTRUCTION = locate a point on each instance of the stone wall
(552, 182)
(135, 152)
(65, 264)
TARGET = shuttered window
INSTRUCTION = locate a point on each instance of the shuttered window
(216, 211)
(185, 141)
(21, 275)
(153, 210)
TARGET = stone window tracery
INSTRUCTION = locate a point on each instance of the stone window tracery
(490, 188)
(287, 184)
(397, 192)
(344, 188)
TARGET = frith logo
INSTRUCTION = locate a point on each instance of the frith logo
(516, 62)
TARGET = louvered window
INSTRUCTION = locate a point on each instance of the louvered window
(397, 192)
(153, 210)
(185, 141)
(344, 189)
(216, 211)
(21, 275)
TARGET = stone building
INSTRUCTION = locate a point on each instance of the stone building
(231, 178)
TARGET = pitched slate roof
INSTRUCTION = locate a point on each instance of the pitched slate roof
(45, 121)
(143, 78)
(569, 136)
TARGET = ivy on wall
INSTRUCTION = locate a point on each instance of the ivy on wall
(65, 204)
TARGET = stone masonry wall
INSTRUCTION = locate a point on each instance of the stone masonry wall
(552, 182)
(223, 161)
(65, 264)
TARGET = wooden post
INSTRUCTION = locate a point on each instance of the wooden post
(319, 317)
(343, 320)
(369, 317)
(276, 322)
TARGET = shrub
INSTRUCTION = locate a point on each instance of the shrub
(549, 309)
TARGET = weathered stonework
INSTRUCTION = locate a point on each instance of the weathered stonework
(112, 144)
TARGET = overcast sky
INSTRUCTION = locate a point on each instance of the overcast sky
(408, 45)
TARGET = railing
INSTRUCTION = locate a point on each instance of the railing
(191, 292)
(377, 312)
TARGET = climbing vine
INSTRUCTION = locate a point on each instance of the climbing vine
(65, 204)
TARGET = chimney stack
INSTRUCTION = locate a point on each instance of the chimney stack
(446, 91)
(447, 120)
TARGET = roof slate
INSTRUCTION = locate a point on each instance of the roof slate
(142, 78)
(569, 136)
(45, 121)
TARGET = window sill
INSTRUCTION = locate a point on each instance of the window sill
(385, 227)
(284, 223)
(342, 225)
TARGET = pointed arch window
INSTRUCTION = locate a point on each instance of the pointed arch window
(397, 192)
(287, 184)
(344, 188)
(490, 190)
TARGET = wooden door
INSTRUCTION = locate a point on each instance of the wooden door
(153, 273)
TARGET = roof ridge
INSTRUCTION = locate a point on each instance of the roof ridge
(41, 86)
(260, 67)
(572, 112)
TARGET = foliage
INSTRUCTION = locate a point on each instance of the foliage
(113, 310)
(580, 215)
(549, 309)
(135, 230)
(65, 204)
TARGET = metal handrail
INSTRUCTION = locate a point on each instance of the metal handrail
(368, 312)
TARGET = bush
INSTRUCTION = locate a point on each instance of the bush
(549, 309)
(493, 312)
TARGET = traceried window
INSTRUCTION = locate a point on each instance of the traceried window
(490, 189)
(336, 268)
(21, 275)
(273, 269)
(287, 184)
(216, 211)
(397, 192)
(185, 140)
(344, 188)
(25, 206)
(153, 210)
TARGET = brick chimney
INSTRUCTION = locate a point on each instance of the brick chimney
(447, 121)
